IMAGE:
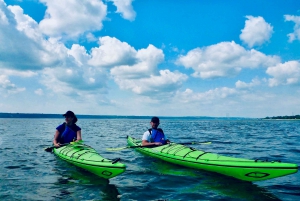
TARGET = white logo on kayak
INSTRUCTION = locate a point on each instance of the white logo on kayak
(154, 150)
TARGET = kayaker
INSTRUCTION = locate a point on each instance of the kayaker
(155, 135)
(68, 131)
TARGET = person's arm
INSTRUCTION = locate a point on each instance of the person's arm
(145, 140)
(167, 140)
(55, 140)
(79, 136)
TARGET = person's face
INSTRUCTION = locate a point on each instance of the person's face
(68, 119)
(154, 124)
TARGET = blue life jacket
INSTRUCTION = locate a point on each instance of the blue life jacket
(69, 134)
(157, 135)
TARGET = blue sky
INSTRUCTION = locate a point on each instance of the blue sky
(149, 57)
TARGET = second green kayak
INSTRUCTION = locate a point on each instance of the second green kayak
(87, 158)
(243, 169)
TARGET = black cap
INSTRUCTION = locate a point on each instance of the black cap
(69, 114)
(155, 120)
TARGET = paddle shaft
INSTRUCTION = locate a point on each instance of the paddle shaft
(151, 146)
(49, 149)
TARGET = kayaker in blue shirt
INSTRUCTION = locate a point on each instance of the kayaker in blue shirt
(155, 135)
(68, 131)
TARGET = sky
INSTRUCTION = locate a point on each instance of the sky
(150, 57)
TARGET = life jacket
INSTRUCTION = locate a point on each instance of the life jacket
(157, 135)
(68, 135)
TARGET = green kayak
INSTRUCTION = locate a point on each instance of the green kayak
(87, 158)
(243, 169)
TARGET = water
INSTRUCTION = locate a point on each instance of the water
(27, 172)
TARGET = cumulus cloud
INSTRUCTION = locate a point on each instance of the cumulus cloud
(6, 87)
(111, 52)
(243, 85)
(26, 53)
(146, 64)
(189, 96)
(125, 8)
(296, 34)
(74, 79)
(256, 31)
(224, 60)
(287, 73)
(18, 34)
(143, 77)
(72, 17)
(80, 55)
(162, 85)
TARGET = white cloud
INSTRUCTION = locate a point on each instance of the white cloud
(243, 85)
(284, 73)
(6, 87)
(91, 37)
(74, 80)
(125, 8)
(296, 34)
(189, 96)
(155, 86)
(62, 69)
(146, 64)
(80, 55)
(72, 17)
(18, 35)
(224, 60)
(17, 73)
(39, 92)
(256, 31)
(111, 52)
(142, 77)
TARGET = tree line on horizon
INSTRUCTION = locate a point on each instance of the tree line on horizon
(285, 117)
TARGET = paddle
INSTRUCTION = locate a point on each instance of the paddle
(185, 143)
(129, 147)
(77, 143)
(151, 146)
(49, 149)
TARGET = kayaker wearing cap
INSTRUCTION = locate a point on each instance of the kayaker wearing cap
(154, 135)
(68, 131)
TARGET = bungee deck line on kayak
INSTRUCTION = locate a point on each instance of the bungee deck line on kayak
(94, 152)
(240, 168)
(196, 162)
(90, 164)
(236, 161)
(87, 158)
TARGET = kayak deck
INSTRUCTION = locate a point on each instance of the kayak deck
(87, 158)
(243, 169)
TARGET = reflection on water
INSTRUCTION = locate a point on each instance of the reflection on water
(72, 177)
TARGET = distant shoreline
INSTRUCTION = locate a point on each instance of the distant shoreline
(59, 116)
(294, 117)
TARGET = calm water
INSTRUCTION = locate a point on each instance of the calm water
(27, 172)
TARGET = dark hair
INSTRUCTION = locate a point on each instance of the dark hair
(71, 114)
(74, 119)
(155, 120)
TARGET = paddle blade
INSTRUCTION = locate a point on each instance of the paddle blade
(116, 149)
(186, 143)
(202, 143)
(49, 149)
